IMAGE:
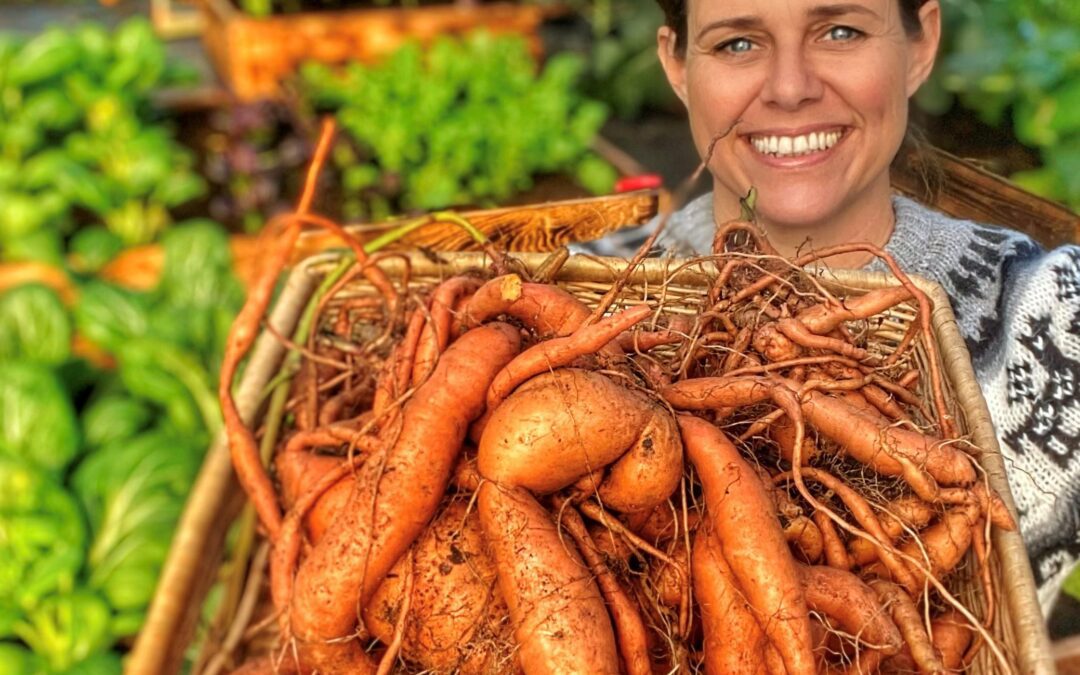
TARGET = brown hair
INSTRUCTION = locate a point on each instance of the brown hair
(675, 18)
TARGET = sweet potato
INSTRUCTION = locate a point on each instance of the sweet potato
(734, 642)
(561, 426)
(560, 622)
(456, 619)
(398, 492)
(738, 504)
(853, 605)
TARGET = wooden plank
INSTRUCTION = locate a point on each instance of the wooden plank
(535, 227)
(973, 193)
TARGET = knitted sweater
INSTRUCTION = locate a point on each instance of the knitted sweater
(1018, 308)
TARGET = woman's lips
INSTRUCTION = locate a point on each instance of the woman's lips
(796, 150)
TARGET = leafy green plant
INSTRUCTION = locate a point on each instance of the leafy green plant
(90, 497)
(465, 121)
(80, 143)
(1018, 62)
(622, 68)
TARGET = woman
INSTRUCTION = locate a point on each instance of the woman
(813, 97)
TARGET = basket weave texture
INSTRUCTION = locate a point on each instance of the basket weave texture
(672, 286)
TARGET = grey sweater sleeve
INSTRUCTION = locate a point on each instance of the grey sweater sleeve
(1018, 308)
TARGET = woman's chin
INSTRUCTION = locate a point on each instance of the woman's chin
(796, 209)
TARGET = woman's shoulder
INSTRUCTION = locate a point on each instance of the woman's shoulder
(984, 269)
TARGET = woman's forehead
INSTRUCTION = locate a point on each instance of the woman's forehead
(745, 11)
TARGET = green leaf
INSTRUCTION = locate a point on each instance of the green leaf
(34, 325)
(134, 491)
(20, 214)
(198, 267)
(42, 539)
(43, 245)
(1072, 583)
(114, 417)
(67, 629)
(109, 316)
(37, 419)
(91, 248)
(47, 55)
(18, 660)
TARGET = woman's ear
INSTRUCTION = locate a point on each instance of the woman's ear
(674, 64)
(924, 49)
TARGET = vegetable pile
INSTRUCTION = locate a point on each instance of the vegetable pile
(463, 121)
(486, 474)
(80, 144)
(99, 446)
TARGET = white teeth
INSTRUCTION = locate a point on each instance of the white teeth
(794, 146)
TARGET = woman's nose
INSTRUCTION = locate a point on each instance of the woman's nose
(792, 81)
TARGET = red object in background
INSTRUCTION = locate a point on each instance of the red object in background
(644, 181)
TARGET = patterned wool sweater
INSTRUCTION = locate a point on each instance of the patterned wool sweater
(1018, 308)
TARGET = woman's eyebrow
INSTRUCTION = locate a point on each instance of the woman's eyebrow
(735, 23)
(840, 9)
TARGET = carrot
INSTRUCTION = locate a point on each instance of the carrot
(843, 597)
(398, 492)
(560, 622)
(782, 431)
(823, 318)
(910, 512)
(669, 580)
(865, 516)
(561, 426)
(397, 371)
(734, 642)
(831, 544)
(299, 470)
(738, 503)
(941, 546)
(548, 310)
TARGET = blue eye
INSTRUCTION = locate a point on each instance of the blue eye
(737, 46)
(843, 33)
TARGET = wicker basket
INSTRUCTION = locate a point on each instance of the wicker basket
(198, 549)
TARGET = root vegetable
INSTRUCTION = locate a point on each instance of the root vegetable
(734, 642)
(561, 624)
(561, 426)
(397, 495)
(738, 503)
(843, 597)
(456, 617)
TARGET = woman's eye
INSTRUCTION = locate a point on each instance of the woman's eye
(736, 46)
(843, 33)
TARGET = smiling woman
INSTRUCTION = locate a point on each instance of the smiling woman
(814, 97)
(806, 101)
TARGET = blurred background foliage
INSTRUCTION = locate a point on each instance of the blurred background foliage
(1016, 65)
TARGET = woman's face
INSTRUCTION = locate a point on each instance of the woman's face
(814, 92)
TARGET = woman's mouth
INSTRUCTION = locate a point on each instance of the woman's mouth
(783, 147)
